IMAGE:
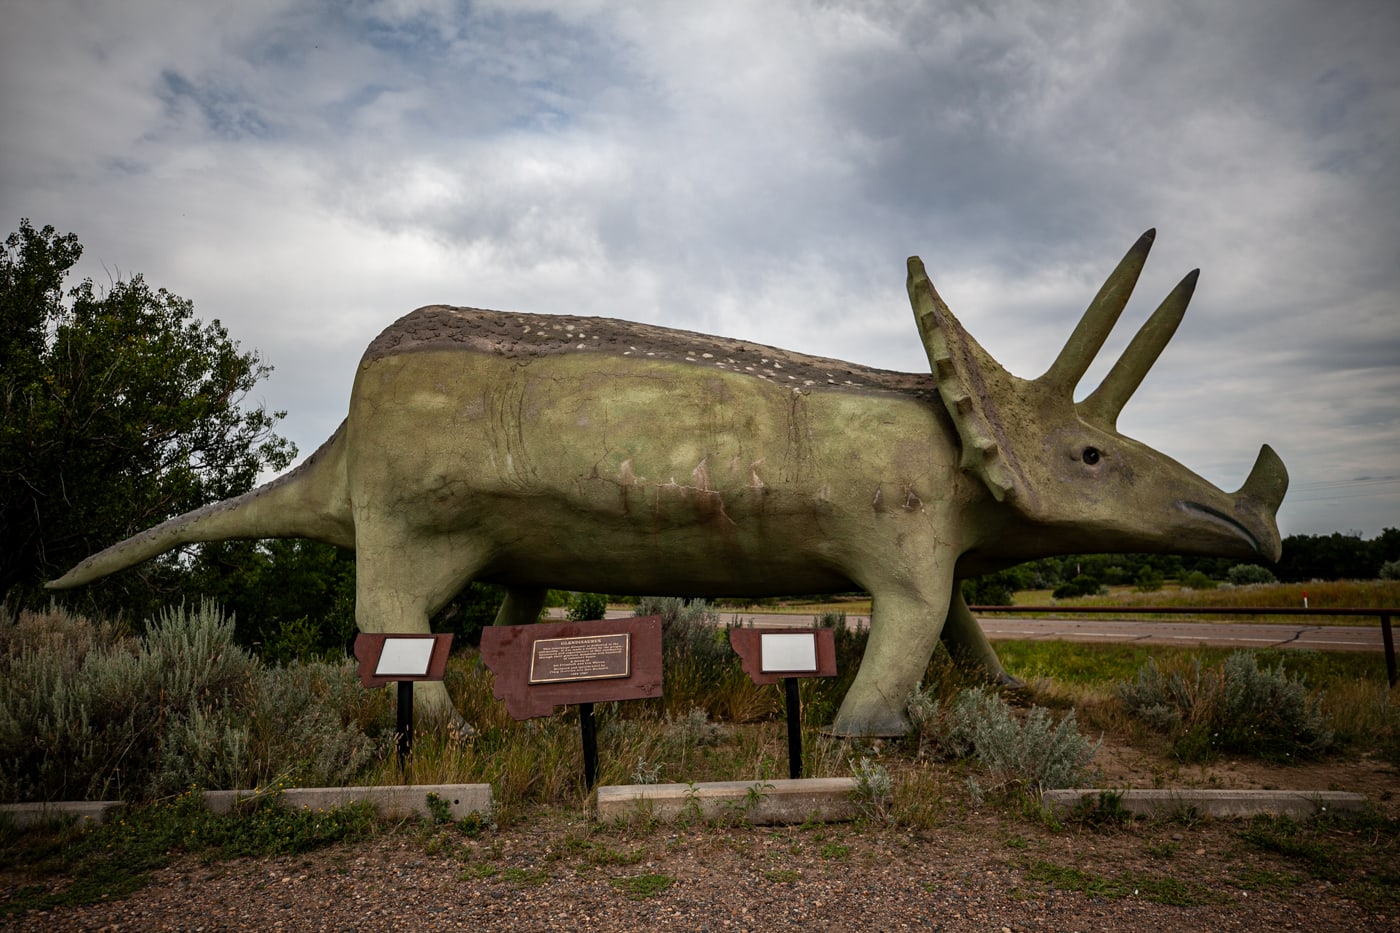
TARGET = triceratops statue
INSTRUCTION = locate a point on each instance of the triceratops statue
(599, 455)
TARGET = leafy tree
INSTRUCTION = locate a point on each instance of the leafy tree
(290, 599)
(585, 607)
(1328, 557)
(997, 589)
(118, 409)
(1386, 546)
(1148, 580)
(1195, 580)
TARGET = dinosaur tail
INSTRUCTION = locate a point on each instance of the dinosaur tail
(312, 501)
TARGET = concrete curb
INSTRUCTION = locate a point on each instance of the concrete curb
(395, 802)
(1213, 803)
(24, 815)
(762, 803)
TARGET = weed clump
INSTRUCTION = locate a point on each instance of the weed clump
(874, 788)
(1235, 707)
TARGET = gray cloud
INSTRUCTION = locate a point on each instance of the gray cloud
(309, 172)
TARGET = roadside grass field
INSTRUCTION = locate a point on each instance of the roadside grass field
(1340, 594)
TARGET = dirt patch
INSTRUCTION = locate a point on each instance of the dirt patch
(1126, 766)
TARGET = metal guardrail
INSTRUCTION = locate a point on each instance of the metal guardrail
(1385, 614)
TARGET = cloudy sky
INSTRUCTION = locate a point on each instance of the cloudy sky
(307, 172)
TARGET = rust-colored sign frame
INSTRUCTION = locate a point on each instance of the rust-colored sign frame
(369, 647)
(748, 644)
(508, 650)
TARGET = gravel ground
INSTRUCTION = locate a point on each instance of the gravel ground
(974, 871)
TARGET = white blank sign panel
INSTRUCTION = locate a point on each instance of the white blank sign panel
(789, 652)
(405, 657)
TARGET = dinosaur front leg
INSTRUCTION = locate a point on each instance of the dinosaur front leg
(905, 621)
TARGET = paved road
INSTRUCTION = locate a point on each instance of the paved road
(1147, 632)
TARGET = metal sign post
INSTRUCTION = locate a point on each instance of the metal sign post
(794, 726)
(768, 656)
(403, 726)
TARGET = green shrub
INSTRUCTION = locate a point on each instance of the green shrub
(87, 719)
(1034, 753)
(928, 725)
(1149, 580)
(1390, 570)
(700, 669)
(87, 713)
(1269, 714)
(1195, 580)
(587, 607)
(1082, 585)
(874, 790)
(1246, 574)
(1169, 702)
(1235, 707)
(993, 589)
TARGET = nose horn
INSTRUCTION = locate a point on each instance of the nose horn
(1268, 481)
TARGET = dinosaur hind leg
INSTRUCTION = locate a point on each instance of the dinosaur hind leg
(522, 606)
(968, 644)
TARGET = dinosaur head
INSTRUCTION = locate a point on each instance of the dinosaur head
(1073, 481)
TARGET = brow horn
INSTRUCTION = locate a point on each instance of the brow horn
(1105, 403)
(1093, 328)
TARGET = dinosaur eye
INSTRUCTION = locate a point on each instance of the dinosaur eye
(1091, 455)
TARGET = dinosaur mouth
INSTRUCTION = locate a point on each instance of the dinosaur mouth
(1215, 516)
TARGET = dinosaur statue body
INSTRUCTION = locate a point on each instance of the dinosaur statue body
(592, 454)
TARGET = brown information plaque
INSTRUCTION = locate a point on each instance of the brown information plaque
(584, 665)
(387, 658)
(584, 657)
(749, 644)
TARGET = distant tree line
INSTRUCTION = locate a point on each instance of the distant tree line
(1305, 557)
